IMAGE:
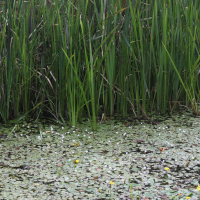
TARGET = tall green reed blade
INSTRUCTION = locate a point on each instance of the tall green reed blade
(138, 47)
(189, 92)
(24, 63)
(63, 44)
(110, 65)
(176, 36)
(164, 73)
(192, 49)
(8, 64)
(2, 60)
(93, 66)
(101, 77)
(90, 74)
(71, 99)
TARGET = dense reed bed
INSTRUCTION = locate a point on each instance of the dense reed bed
(72, 59)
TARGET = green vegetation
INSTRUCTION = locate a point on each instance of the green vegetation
(72, 59)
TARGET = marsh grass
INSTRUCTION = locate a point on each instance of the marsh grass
(71, 59)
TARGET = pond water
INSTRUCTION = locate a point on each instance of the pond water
(122, 160)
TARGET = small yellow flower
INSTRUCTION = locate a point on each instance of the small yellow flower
(166, 168)
(76, 161)
(187, 197)
(76, 144)
(111, 183)
(198, 188)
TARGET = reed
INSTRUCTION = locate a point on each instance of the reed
(71, 59)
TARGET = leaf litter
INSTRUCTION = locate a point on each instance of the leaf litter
(139, 161)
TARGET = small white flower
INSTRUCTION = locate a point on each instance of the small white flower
(108, 140)
(124, 133)
(62, 127)
(86, 130)
(73, 140)
(74, 131)
(51, 128)
(88, 136)
(117, 132)
(83, 135)
(78, 134)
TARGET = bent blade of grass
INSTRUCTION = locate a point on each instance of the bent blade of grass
(191, 99)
